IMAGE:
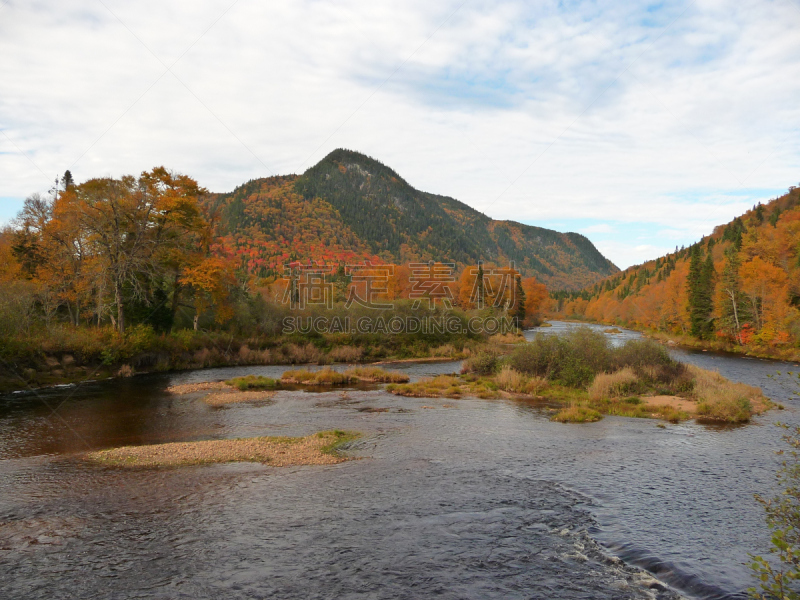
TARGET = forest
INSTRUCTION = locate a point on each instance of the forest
(143, 272)
(737, 289)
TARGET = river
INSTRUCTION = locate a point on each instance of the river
(455, 498)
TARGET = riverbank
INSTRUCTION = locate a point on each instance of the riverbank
(72, 355)
(779, 352)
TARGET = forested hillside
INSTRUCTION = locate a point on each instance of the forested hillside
(738, 287)
(351, 207)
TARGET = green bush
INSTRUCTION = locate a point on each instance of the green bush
(483, 363)
(574, 359)
(638, 353)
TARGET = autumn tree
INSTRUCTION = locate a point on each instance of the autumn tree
(135, 226)
(732, 312)
(535, 296)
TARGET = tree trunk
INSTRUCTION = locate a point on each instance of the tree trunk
(176, 296)
(196, 318)
(735, 314)
(120, 307)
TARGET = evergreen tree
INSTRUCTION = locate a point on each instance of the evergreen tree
(701, 294)
(67, 181)
(519, 301)
(479, 291)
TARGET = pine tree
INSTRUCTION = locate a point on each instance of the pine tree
(67, 181)
(479, 291)
(519, 301)
(701, 293)
(760, 213)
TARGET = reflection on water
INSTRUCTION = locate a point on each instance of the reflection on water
(485, 499)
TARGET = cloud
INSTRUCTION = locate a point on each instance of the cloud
(625, 254)
(679, 115)
(599, 228)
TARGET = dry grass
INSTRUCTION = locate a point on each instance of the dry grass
(510, 380)
(125, 371)
(577, 414)
(221, 399)
(376, 375)
(446, 351)
(446, 386)
(612, 385)
(317, 449)
(536, 385)
(507, 338)
(246, 356)
(322, 377)
(308, 353)
(191, 388)
(346, 354)
(722, 400)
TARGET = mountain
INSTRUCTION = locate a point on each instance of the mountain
(350, 207)
(739, 286)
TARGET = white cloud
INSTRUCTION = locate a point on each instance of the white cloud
(527, 111)
(599, 228)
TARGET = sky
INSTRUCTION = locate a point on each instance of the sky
(641, 125)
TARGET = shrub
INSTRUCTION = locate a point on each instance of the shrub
(573, 372)
(539, 357)
(572, 359)
(638, 353)
(575, 358)
(483, 363)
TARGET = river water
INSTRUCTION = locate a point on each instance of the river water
(455, 498)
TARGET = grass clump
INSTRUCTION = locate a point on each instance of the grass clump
(610, 385)
(252, 382)
(376, 375)
(337, 440)
(577, 414)
(446, 386)
(322, 377)
(513, 381)
(721, 400)
(507, 338)
(510, 380)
